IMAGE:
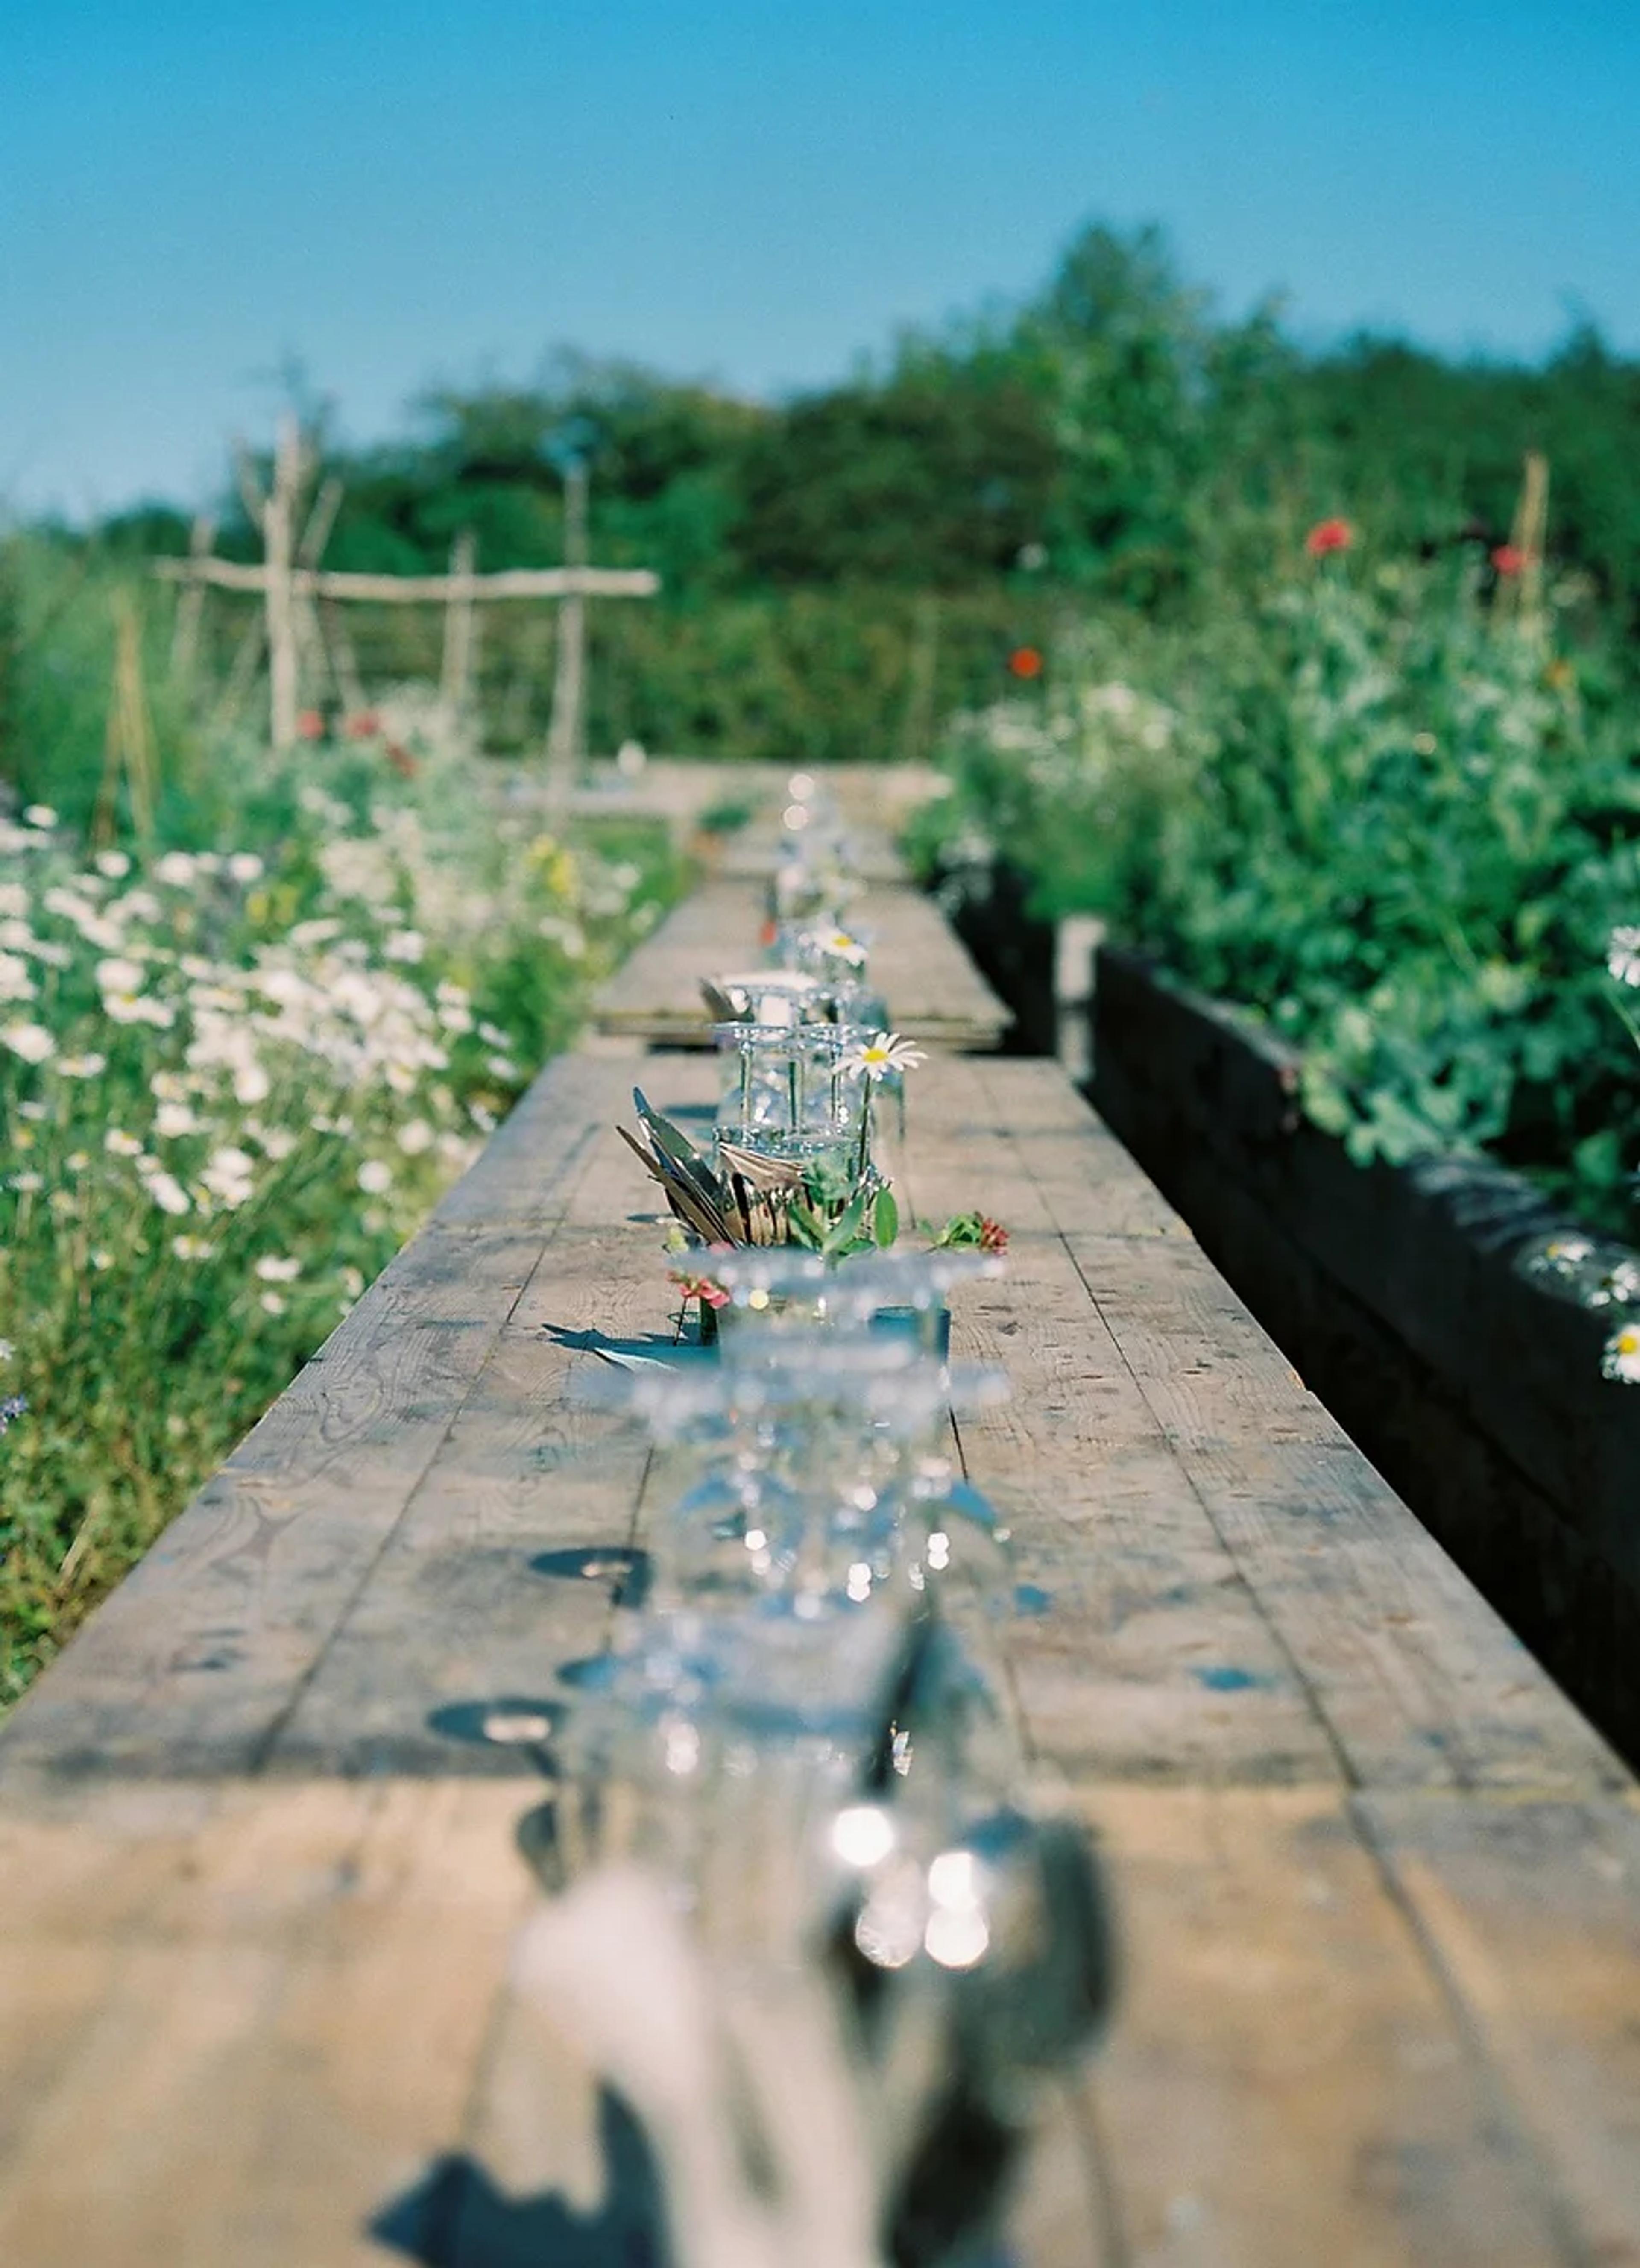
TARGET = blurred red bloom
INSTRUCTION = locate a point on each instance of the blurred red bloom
(1510, 559)
(993, 1236)
(363, 726)
(1026, 661)
(702, 1288)
(1328, 535)
(310, 726)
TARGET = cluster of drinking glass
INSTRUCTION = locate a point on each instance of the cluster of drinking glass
(800, 1728)
(788, 1088)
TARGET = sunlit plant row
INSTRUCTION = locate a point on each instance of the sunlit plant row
(232, 1082)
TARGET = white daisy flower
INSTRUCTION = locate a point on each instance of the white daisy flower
(1622, 1359)
(113, 863)
(883, 1053)
(273, 1268)
(167, 1192)
(32, 1042)
(375, 1177)
(82, 1066)
(119, 1144)
(40, 814)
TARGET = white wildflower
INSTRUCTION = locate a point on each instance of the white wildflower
(271, 1269)
(352, 1282)
(14, 900)
(17, 981)
(92, 1066)
(32, 1042)
(228, 1176)
(251, 1083)
(27, 1184)
(191, 1248)
(6, 1350)
(272, 1303)
(501, 1067)
(167, 1192)
(176, 870)
(40, 814)
(414, 1136)
(245, 866)
(277, 1142)
(1623, 956)
(375, 1177)
(113, 863)
(568, 936)
(119, 1144)
(1622, 1359)
(173, 1119)
(405, 945)
(309, 933)
(119, 976)
(883, 1053)
(102, 1261)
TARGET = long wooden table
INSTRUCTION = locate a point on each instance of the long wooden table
(1380, 1883)
(940, 997)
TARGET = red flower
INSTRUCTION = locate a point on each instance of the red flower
(1328, 535)
(363, 726)
(993, 1236)
(1510, 559)
(702, 1288)
(310, 726)
(1026, 661)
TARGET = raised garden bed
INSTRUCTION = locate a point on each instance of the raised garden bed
(1399, 1295)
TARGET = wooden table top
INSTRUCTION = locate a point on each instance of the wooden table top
(936, 994)
(1378, 1883)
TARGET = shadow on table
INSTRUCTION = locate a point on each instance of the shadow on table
(455, 2217)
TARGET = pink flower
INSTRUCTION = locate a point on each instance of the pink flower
(702, 1288)
(1328, 535)
(1510, 559)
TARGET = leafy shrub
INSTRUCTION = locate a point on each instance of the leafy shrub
(1383, 809)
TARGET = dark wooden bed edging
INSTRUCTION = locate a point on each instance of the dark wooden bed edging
(1398, 1293)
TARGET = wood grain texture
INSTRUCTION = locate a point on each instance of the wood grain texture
(935, 993)
(1378, 1880)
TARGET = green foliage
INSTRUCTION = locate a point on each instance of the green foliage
(1398, 822)
(232, 1078)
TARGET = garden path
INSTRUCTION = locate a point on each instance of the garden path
(1380, 1883)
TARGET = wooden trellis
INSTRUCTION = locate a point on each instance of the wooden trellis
(301, 627)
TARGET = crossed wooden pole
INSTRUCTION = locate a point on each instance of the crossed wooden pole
(301, 601)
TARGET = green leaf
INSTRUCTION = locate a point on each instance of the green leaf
(847, 1228)
(884, 1219)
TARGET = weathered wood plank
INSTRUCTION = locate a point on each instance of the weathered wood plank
(288, 2036)
(1288, 2082)
(935, 993)
(1228, 1588)
(1532, 1913)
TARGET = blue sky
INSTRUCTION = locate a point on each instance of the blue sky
(191, 194)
